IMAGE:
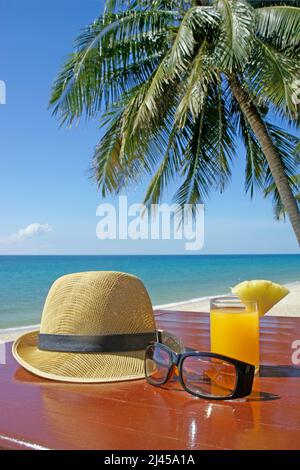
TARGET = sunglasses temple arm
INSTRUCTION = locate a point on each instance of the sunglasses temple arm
(170, 340)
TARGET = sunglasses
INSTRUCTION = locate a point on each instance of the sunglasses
(202, 374)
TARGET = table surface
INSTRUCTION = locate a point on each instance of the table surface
(39, 414)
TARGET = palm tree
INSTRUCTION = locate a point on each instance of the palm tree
(176, 83)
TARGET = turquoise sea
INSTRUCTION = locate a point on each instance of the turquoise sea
(25, 280)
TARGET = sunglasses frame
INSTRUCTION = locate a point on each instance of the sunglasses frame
(245, 371)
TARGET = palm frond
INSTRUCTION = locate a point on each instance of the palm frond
(119, 160)
(107, 168)
(198, 172)
(195, 86)
(279, 209)
(103, 80)
(285, 143)
(224, 137)
(134, 35)
(210, 150)
(136, 151)
(271, 76)
(235, 41)
(176, 62)
(151, 109)
(158, 72)
(279, 24)
(255, 160)
(168, 169)
(112, 6)
(271, 3)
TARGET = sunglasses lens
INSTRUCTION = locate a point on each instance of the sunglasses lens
(209, 376)
(157, 364)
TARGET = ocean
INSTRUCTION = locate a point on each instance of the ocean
(25, 280)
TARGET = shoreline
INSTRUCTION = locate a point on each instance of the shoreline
(289, 306)
(169, 306)
(183, 302)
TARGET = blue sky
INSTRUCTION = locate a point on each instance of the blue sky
(44, 176)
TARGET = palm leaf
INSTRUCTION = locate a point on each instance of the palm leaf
(176, 62)
(160, 72)
(279, 24)
(210, 149)
(195, 86)
(286, 144)
(224, 137)
(168, 169)
(271, 76)
(255, 170)
(78, 88)
(235, 42)
(119, 160)
(279, 209)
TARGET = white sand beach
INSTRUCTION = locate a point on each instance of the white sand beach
(287, 307)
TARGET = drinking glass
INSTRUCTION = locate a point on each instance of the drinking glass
(234, 329)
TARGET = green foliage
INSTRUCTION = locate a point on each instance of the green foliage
(289, 147)
(158, 73)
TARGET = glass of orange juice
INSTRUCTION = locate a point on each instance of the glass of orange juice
(234, 329)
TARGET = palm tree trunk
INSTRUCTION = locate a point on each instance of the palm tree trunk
(272, 155)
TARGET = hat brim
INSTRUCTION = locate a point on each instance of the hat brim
(76, 367)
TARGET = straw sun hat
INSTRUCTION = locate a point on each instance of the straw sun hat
(95, 327)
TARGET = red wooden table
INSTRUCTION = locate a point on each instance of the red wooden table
(38, 414)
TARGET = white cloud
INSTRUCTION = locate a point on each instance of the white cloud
(30, 231)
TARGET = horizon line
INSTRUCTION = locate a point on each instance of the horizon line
(154, 254)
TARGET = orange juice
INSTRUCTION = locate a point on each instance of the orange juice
(234, 332)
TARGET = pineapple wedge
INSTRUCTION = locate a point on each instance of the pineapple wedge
(266, 293)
